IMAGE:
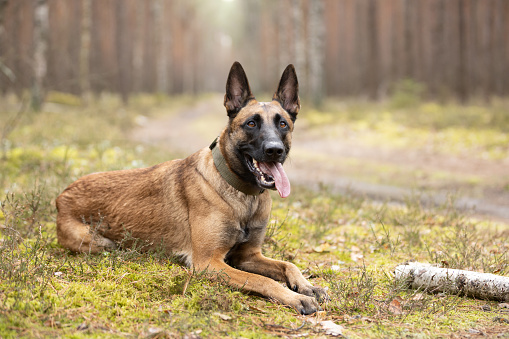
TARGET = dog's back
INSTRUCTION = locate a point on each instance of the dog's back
(101, 209)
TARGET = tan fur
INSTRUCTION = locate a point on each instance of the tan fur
(186, 207)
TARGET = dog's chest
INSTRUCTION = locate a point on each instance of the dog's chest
(252, 218)
(243, 234)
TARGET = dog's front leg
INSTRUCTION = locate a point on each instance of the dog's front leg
(256, 283)
(250, 259)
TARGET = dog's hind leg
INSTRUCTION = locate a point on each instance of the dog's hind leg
(80, 237)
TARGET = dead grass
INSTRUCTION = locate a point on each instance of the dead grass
(348, 244)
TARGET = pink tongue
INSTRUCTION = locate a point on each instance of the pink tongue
(278, 173)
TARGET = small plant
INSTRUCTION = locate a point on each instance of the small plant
(407, 94)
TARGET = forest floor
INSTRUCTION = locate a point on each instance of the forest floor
(359, 171)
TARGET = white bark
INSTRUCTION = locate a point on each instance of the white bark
(299, 35)
(40, 45)
(473, 284)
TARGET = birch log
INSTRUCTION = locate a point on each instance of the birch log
(435, 279)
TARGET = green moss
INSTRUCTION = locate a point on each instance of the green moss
(342, 242)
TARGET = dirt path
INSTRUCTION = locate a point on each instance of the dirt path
(345, 166)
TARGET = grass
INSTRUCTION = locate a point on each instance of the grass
(413, 143)
(450, 129)
(348, 244)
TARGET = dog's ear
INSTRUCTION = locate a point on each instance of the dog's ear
(238, 92)
(287, 93)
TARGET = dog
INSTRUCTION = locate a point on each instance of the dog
(211, 208)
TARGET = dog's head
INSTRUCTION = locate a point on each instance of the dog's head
(258, 135)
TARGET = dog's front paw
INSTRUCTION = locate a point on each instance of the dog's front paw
(320, 294)
(305, 305)
(312, 291)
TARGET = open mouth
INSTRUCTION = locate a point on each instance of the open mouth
(269, 175)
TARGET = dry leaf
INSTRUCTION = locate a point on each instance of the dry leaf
(223, 316)
(395, 307)
(152, 331)
(355, 256)
(331, 328)
(325, 247)
(418, 296)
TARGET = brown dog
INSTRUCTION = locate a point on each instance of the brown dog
(210, 208)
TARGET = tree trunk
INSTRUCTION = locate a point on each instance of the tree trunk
(39, 57)
(4, 70)
(462, 51)
(408, 40)
(123, 51)
(472, 284)
(299, 43)
(284, 35)
(3, 5)
(85, 49)
(162, 43)
(373, 56)
(316, 50)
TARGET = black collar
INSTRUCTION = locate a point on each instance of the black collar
(228, 175)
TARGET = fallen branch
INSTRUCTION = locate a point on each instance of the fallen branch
(433, 279)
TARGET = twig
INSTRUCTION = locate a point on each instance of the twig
(190, 274)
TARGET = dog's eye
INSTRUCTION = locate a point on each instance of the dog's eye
(283, 124)
(251, 124)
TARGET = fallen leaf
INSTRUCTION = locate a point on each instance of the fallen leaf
(323, 248)
(192, 335)
(501, 320)
(331, 328)
(222, 316)
(154, 330)
(257, 309)
(395, 307)
(418, 296)
(355, 256)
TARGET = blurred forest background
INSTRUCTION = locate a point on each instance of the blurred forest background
(400, 153)
(456, 48)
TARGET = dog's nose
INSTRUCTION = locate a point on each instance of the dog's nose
(273, 149)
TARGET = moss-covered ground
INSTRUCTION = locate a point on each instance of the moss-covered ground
(348, 244)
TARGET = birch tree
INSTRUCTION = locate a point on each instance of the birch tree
(40, 44)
